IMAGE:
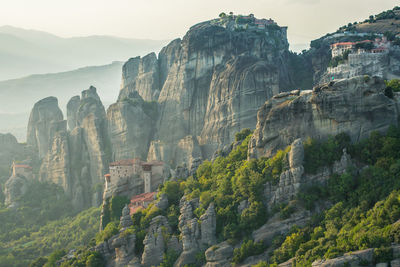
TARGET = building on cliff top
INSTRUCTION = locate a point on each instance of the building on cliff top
(145, 176)
(379, 45)
(22, 170)
(141, 201)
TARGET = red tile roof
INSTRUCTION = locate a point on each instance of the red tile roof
(126, 162)
(22, 166)
(342, 44)
(145, 197)
(107, 175)
(129, 162)
(134, 209)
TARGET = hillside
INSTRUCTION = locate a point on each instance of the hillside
(19, 95)
(24, 52)
(388, 21)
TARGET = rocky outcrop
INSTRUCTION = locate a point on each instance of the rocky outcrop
(15, 187)
(356, 106)
(208, 227)
(126, 219)
(219, 255)
(289, 180)
(154, 243)
(119, 250)
(45, 120)
(276, 226)
(141, 75)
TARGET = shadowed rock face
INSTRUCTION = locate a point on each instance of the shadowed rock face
(72, 110)
(45, 120)
(354, 106)
(208, 86)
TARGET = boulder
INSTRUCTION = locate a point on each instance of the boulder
(219, 255)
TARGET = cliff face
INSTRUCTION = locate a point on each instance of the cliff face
(45, 120)
(77, 160)
(355, 106)
(130, 127)
(207, 85)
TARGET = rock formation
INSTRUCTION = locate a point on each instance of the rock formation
(219, 255)
(76, 160)
(126, 219)
(207, 86)
(141, 75)
(72, 111)
(15, 187)
(154, 243)
(355, 106)
(45, 120)
(208, 227)
(119, 250)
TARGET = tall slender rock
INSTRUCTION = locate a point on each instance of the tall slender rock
(45, 120)
(72, 111)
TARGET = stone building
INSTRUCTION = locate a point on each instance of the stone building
(138, 175)
(22, 170)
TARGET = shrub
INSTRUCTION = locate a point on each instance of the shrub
(110, 230)
(247, 249)
(169, 258)
(394, 85)
(240, 136)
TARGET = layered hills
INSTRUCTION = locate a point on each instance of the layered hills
(24, 52)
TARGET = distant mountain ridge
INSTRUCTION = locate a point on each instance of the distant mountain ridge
(18, 95)
(24, 52)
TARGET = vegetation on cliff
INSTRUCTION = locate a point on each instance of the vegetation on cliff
(43, 222)
(359, 218)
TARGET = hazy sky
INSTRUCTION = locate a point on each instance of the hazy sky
(169, 19)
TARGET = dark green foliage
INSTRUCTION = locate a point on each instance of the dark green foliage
(229, 180)
(300, 67)
(339, 59)
(318, 154)
(39, 262)
(169, 258)
(383, 254)
(366, 206)
(110, 230)
(394, 85)
(113, 209)
(200, 258)
(388, 92)
(389, 14)
(54, 257)
(240, 136)
(366, 46)
(42, 223)
(173, 192)
(86, 258)
(247, 249)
